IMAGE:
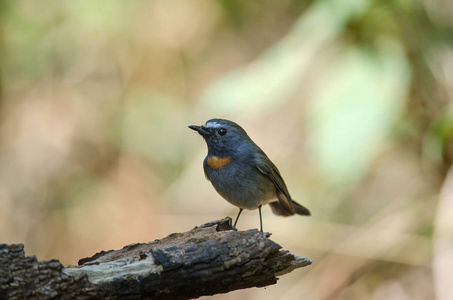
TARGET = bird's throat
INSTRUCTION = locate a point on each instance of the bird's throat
(218, 162)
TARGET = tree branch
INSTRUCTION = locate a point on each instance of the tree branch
(206, 260)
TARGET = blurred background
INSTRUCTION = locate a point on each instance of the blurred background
(351, 99)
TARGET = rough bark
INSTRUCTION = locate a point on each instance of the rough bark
(206, 260)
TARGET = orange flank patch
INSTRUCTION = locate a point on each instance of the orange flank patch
(218, 162)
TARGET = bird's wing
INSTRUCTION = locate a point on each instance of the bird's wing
(270, 171)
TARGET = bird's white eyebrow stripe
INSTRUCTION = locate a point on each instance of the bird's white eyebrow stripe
(212, 124)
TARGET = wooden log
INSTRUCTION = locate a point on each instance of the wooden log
(207, 260)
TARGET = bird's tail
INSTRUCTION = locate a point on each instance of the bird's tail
(279, 210)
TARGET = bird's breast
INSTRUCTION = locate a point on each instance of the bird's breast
(216, 162)
(239, 181)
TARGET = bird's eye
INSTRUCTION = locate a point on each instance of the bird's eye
(222, 131)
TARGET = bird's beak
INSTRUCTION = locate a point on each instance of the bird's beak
(200, 129)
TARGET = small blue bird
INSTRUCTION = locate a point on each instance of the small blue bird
(242, 173)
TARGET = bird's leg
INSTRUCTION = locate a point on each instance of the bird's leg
(261, 220)
(237, 218)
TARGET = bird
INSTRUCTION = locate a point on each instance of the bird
(242, 173)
